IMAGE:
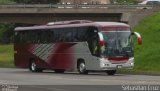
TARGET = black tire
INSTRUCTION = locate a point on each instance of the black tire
(111, 72)
(81, 68)
(33, 67)
(59, 70)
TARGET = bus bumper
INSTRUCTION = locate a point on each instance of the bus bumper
(105, 64)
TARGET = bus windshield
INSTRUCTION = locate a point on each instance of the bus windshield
(118, 44)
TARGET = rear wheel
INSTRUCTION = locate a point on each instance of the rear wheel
(82, 68)
(33, 67)
(59, 70)
(111, 72)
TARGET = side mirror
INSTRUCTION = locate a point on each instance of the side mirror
(101, 40)
(139, 38)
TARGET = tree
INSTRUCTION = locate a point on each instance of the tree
(124, 1)
(6, 33)
(37, 1)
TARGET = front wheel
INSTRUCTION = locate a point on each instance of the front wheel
(111, 72)
(81, 68)
(33, 67)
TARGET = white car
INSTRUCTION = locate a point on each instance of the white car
(150, 2)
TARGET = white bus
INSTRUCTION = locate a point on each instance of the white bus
(75, 45)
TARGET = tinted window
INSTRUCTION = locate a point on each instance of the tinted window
(35, 36)
(82, 33)
(78, 34)
(153, 3)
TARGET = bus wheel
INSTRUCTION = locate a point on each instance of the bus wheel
(59, 70)
(111, 72)
(33, 67)
(81, 68)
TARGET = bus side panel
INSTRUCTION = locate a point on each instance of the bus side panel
(83, 52)
(62, 56)
(21, 55)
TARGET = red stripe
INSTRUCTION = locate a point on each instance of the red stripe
(118, 59)
(63, 57)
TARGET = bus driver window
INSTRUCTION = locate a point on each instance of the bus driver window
(93, 41)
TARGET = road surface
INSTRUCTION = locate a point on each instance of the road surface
(70, 81)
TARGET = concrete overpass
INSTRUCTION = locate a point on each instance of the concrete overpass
(43, 13)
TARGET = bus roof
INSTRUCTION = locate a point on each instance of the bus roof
(81, 23)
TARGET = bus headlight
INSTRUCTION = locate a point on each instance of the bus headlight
(102, 65)
(132, 64)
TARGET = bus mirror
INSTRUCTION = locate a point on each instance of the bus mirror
(101, 43)
(101, 40)
(139, 38)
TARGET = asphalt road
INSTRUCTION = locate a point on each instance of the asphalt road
(24, 80)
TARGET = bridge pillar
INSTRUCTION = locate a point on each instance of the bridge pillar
(125, 17)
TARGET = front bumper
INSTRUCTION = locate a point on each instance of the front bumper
(105, 64)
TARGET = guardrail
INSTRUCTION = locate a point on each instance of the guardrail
(76, 6)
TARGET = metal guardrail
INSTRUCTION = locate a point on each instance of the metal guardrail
(110, 6)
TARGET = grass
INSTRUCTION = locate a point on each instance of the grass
(6, 1)
(6, 56)
(147, 56)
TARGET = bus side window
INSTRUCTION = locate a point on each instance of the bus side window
(17, 37)
(34, 37)
(26, 37)
(22, 37)
(82, 33)
(68, 35)
(57, 35)
(61, 35)
(75, 35)
(38, 36)
(51, 36)
(44, 36)
(30, 37)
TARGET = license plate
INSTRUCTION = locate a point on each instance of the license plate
(119, 66)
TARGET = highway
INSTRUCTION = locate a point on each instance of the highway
(70, 81)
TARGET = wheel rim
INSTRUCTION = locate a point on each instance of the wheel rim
(33, 66)
(82, 67)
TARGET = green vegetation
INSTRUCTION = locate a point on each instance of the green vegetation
(124, 1)
(147, 55)
(6, 56)
(6, 33)
(5, 1)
